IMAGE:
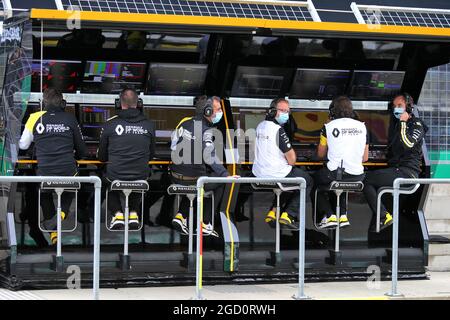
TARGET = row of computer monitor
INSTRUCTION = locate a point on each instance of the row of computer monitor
(309, 122)
(189, 80)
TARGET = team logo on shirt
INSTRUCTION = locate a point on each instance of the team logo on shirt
(119, 129)
(40, 128)
(336, 132)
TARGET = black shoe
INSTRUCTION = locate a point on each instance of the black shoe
(39, 238)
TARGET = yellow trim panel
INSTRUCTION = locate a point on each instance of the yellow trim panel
(47, 14)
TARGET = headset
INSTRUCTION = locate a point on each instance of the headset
(272, 112)
(118, 103)
(208, 109)
(331, 110)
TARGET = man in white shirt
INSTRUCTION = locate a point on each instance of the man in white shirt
(344, 141)
(275, 158)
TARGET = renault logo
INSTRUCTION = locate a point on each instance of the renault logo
(119, 130)
(336, 132)
(40, 128)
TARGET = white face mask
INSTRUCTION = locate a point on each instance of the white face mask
(217, 118)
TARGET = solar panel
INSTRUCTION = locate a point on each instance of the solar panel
(261, 9)
(401, 16)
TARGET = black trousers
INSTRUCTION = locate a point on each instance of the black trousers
(290, 201)
(383, 178)
(114, 204)
(48, 205)
(326, 201)
(218, 189)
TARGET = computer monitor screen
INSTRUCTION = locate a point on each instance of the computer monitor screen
(58, 74)
(375, 85)
(176, 79)
(317, 84)
(91, 121)
(377, 124)
(259, 82)
(309, 124)
(113, 77)
(250, 120)
(166, 120)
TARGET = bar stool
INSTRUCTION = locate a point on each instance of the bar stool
(338, 187)
(127, 187)
(59, 188)
(190, 192)
(277, 189)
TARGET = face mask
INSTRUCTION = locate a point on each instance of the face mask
(398, 112)
(283, 118)
(217, 118)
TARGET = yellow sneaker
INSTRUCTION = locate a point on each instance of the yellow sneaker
(328, 222)
(271, 218)
(343, 221)
(133, 220)
(288, 222)
(387, 221)
(54, 237)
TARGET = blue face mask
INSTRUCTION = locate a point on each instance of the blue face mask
(217, 118)
(283, 118)
(398, 112)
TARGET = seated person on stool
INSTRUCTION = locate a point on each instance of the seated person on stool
(406, 133)
(275, 158)
(344, 141)
(127, 143)
(56, 134)
(194, 156)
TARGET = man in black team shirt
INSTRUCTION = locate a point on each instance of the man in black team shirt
(56, 135)
(127, 143)
(406, 133)
(193, 156)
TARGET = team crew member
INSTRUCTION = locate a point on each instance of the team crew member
(275, 158)
(344, 141)
(56, 135)
(194, 155)
(406, 133)
(127, 143)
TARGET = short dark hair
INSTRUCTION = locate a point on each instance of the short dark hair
(52, 97)
(342, 107)
(276, 101)
(129, 98)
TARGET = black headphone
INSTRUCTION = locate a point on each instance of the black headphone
(206, 110)
(118, 103)
(332, 113)
(272, 112)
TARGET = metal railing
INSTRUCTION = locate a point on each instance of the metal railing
(396, 195)
(199, 258)
(97, 198)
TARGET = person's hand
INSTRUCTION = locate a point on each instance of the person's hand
(404, 116)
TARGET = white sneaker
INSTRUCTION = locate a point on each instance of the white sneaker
(208, 230)
(329, 222)
(117, 222)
